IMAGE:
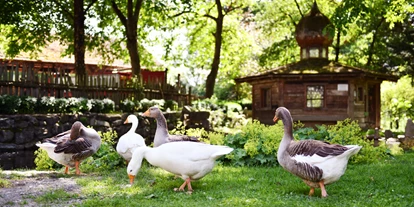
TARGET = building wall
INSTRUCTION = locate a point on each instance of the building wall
(341, 100)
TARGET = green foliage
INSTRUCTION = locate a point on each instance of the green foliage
(256, 144)
(43, 162)
(9, 104)
(348, 132)
(397, 101)
(310, 133)
(106, 157)
(4, 183)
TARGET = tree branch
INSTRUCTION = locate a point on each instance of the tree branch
(137, 9)
(119, 13)
(89, 6)
(297, 5)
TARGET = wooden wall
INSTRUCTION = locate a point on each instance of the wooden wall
(338, 104)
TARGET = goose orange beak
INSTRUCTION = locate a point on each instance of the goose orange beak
(126, 121)
(146, 113)
(131, 179)
(275, 119)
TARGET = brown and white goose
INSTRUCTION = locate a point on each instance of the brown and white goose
(161, 134)
(317, 163)
(71, 147)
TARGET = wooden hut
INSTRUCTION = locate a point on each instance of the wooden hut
(315, 89)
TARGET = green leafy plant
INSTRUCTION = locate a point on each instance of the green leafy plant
(27, 105)
(106, 157)
(256, 144)
(43, 161)
(9, 104)
(348, 132)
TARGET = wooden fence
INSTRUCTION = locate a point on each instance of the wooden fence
(25, 80)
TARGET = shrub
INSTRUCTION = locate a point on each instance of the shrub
(85, 105)
(106, 157)
(348, 132)
(257, 144)
(44, 162)
(27, 105)
(9, 104)
(171, 105)
(127, 105)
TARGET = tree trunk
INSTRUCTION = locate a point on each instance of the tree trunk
(130, 22)
(374, 39)
(79, 42)
(338, 42)
(132, 45)
(211, 78)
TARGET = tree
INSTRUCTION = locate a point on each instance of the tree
(130, 23)
(210, 28)
(39, 23)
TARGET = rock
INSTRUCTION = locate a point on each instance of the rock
(6, 136)
(409, 129)
(6, 123)
(24, 136)
(388, 134)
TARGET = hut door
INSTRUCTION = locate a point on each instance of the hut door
(373, 107)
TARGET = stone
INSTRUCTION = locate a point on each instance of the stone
(6, 136)
(6, 123)
(409, 129)
(388, 134)
(24, 136)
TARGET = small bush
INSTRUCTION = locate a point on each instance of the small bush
(43, 161)
(9, 104)
(106, 157)
(27, 105)
(257, 144)
(348, 132)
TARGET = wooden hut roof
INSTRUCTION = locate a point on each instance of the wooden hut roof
(314, 68)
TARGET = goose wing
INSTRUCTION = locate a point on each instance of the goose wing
(179, 138)
(72, 146)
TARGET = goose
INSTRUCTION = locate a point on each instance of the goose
(130, 140)
(161, 134)
(71, 147)
(188, 160)
(317, 163)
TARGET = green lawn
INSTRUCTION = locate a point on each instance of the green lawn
(389, 183)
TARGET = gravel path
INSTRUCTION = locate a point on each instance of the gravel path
(31, 184)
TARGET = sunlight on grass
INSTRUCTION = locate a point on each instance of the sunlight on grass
(388, 183)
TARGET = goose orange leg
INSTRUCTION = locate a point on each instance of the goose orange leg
(186, 182)
(66, 170)
(77, 167)
(323, 190)
(189, 188)
(312, 190)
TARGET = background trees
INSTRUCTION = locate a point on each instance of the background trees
(210, 42)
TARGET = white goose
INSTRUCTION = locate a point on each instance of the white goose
(71, 147)
(130, 140)
(161, 134)
(188, 160)
(317, 163)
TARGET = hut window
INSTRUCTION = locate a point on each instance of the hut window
(314, 96)
(265, 97)
(359, 96)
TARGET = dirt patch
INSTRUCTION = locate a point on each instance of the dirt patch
(32, 184)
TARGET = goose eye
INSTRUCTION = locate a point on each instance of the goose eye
(130, 170)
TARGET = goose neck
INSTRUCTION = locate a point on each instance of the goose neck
(133, 127)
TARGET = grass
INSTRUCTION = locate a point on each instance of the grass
(389, 183)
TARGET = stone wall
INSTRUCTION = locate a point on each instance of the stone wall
(21, 132)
